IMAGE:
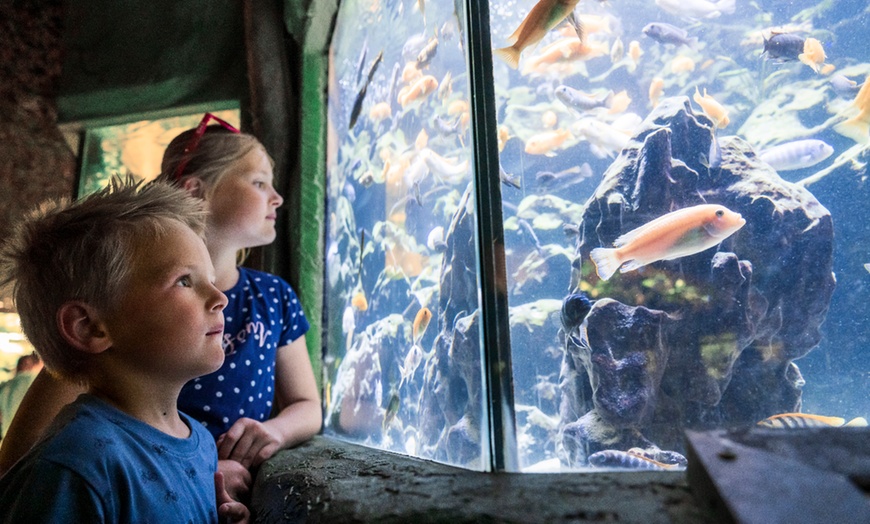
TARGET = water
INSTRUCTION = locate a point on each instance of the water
(594, 140)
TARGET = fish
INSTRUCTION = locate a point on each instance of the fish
(575, 307)
(797, 154)
(843, 85)
(682, 64)
(783, 47)
(858, 127)
(677, 234)
(549, 182)
(411, 363)
(508, 179)
(422, 140)
(528, 230)
(634, 53)
(549, 119)
(581, 101)
(427, 53)
(867, 267)
(613, 458)
(617, 51)
(656, 88)
(813, 55)
(357, 105)
(664, 33)
(394, 83)
(392, 409)
(362, 61)
(421, 322)
(380, 111)
(805, 420)
(421, 88)
(412, 47)
(545, 15)
(504, 134)
(448, 169)
(544, 143)
(697, 8)
(563, 52)
(577, 23)
(713, 109)
(605, 140)
(359, 301)
(445, 88)
(435, 240)
(619, 103)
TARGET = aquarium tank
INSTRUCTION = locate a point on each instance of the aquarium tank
(561, 233)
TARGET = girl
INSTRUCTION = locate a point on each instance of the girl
(264, 398)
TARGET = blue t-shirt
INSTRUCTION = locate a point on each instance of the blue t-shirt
(263, 314)
(99, 464)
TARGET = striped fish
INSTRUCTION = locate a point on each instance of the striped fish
(805, 420)
(612, 458)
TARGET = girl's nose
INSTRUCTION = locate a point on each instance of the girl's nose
(276, 198)
(219, 300)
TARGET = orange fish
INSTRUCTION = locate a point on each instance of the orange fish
(716, 111)
(421, 322)
(380, 111)
(419, 89)
(545, 15)
(677, 234)
(564, 50)
(813, 55)
(544, 143)
(359, 301)
(682, 64)
(858, 127)
(656, 88)
(805, 420)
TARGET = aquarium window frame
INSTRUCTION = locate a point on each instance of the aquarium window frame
(495, 342)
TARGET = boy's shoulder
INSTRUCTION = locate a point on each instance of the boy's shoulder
(119, 461)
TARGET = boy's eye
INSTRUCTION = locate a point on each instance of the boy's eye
(185, 281)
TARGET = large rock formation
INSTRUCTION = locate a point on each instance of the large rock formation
(706, 340)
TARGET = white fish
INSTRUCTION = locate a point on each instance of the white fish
(677, 234)
(412, 362)
(697, 8)
(449, 169)
(796, 155)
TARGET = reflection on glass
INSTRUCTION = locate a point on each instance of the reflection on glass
(746, 125)
(403, 365)
(134, 147)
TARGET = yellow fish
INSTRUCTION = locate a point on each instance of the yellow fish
(716, 111)
(813, 55)
(677, 234)
(545, 15)
(544, 143)
(656, 88)
(380, 111)
(858, 127)
(359, 301)
(805, 420)
(421, 322)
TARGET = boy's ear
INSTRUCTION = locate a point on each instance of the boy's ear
(194, 186)
(81, 326)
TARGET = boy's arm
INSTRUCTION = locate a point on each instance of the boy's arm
(45, 398)
(300, 416)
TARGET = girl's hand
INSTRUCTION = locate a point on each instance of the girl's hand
(248, 442)
(229, 510)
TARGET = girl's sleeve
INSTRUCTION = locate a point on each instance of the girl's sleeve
(295, 322)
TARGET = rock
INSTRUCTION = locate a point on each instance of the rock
(706, 340)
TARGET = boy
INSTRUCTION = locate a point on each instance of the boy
(117, 293)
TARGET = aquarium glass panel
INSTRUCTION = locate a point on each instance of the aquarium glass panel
(134, 148)
(683, 179)
(403, 353)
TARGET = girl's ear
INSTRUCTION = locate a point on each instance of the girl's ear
(194, 186)
(81, 327)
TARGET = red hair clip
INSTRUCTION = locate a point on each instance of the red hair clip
(194, 141)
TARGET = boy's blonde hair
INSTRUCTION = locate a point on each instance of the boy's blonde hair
(83, 250)
(214, 155)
